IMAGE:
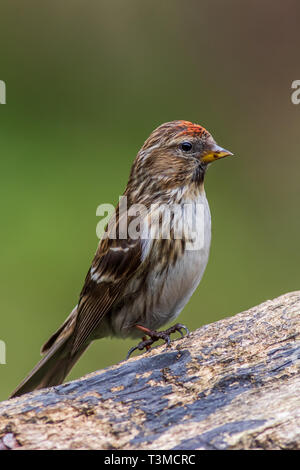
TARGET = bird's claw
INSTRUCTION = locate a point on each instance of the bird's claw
(142, 345)
(156, 335)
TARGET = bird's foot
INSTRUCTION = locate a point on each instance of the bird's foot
(155, 336)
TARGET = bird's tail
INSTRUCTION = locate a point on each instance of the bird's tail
(56, 364)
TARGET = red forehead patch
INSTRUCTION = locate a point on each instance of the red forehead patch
(194, 130)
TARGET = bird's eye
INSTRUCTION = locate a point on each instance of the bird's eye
(186, 146)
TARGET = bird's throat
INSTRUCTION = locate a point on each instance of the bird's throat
(198, 174)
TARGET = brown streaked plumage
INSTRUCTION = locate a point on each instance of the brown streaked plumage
(137, 285)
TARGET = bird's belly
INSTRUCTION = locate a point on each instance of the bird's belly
(161, 297)
(160, 301)
(175, 288)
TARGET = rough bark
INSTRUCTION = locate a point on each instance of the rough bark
(233, 384)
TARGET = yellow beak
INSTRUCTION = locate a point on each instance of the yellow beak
(215, 154)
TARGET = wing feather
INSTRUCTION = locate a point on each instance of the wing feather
(114, 264)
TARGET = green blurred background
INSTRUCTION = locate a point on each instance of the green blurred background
(87, 81)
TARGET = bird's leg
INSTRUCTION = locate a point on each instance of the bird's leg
(155, 336)
(144, 338)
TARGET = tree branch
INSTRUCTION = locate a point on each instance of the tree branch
(233, 384)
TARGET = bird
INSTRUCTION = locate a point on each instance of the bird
(141, 281)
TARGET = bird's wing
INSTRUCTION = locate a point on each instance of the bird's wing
(115, 262)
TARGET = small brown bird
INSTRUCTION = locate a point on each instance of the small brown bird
(137, 284)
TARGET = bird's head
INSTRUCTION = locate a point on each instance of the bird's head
(177, 153)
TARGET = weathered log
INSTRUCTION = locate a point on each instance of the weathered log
(233, 384)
